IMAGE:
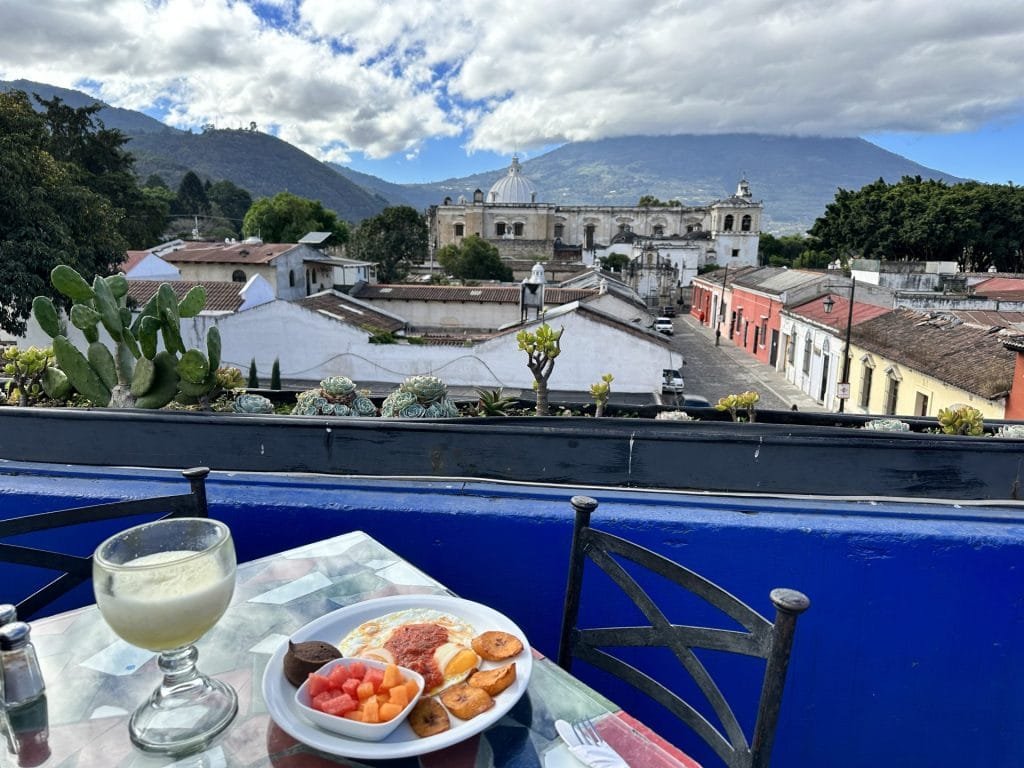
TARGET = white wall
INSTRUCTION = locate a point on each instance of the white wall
(311, 347)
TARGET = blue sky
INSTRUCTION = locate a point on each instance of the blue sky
(422, 90)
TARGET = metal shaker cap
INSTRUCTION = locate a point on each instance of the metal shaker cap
(14, 635)
(8, 613)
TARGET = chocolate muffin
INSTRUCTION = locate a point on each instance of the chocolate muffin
(303, 658)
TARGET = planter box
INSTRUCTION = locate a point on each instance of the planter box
(758, 458)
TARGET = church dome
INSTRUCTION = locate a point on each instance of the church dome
(513, 187)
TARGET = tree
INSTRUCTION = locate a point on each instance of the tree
(286, 218)
(192, 199)
(230, 202)
(275, 374)
(394, 240)
(48, 216)
(780, 251)
(541, 348)
(650, 201)
(473, 259)
(615, 262)
(102, 165)
(254, 379)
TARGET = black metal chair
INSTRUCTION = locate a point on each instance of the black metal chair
(765, 639)
(73, 568)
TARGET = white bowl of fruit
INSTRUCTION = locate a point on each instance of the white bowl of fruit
(359, 698)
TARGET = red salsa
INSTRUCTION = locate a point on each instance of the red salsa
(413, 646)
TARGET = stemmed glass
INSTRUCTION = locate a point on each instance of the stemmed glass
(161, 586)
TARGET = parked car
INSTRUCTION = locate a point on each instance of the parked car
(669, 310)
(664, 325)
(671, 381)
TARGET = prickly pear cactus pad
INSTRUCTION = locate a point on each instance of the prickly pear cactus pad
(419, 397)
(336, 396)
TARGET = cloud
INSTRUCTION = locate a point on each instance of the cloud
(381, 77)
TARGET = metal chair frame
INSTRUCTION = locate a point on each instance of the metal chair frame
(76, 569)
(769, 640)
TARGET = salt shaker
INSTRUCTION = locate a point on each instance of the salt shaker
(23, 680)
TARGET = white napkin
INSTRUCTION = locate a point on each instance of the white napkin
(598, 757)
(591, 756)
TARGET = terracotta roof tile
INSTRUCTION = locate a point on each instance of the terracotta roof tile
(498, 294)
(220, 296)
(219, 253)
(968, 357)
(341, 307)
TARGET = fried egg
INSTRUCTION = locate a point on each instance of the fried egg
(435, 644)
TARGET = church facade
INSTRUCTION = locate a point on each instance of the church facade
(510, 217)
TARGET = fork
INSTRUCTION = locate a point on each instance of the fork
(585, 731)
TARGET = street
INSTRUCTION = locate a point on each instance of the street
(714, 372)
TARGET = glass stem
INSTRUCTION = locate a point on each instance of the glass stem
(178, 666)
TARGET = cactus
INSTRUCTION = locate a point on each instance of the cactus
(961, 420)
(336, 396)
(247, 403)
(135, 373)
(419, 397)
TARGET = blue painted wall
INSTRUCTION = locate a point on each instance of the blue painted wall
(912, 653)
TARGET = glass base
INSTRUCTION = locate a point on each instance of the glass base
(183, 716)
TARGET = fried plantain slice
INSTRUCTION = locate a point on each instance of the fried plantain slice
(494, 681)
(466, 702)
(428, 718)
(497, 646)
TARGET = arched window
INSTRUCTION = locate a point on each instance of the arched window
(659, 230)
(727, 226)
(866, 374)
(559, 231)
(499, 229)
(808, 347)
(238, 276)
(291, 278)
(517, 229)
(745, 223)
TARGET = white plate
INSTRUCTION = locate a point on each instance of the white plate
(279, 695)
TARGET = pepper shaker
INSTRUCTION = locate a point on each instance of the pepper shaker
(8, 613)
(23, 680)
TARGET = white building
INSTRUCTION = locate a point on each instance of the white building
(510, 217)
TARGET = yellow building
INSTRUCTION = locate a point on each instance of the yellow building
(908, 363)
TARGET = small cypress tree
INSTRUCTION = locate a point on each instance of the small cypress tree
(254, 379)
(275, 375)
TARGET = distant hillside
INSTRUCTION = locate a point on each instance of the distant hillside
(124, 120)
(796, 177)
(258, 162)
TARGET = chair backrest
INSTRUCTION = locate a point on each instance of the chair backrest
(75, 569)
(769, 640)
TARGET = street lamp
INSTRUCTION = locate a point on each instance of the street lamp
(828, 304)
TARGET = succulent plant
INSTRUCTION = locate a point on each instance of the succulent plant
(493, 402)
(887, 425)
(745, 401)
(1010, 431)
(135, 374)
(419, 397)
(674, 416)
(336, 396)
(248, 403)
(31, 373)
(961, 419)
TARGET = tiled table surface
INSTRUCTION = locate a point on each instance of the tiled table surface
(94, 680)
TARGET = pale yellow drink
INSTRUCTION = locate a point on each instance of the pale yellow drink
(160, 601)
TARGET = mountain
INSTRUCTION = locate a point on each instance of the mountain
(796, 177)
(258, 162)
